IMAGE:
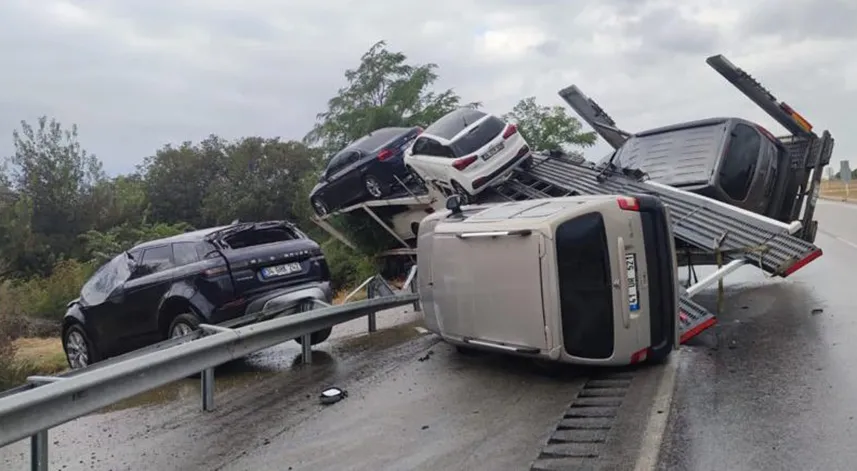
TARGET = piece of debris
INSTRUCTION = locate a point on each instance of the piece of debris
(817, 311)
(425, 427)
(421, 330)
(426, 356)
(332, 395)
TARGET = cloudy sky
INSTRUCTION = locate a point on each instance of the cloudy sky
(137, 74)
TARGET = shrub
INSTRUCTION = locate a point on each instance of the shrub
(43, 299)
(348, 268)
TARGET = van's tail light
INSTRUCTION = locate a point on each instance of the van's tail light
(385, 154)
(628, 203)
(510, 131)
(767, 133)
(463, 163)
(210, 272)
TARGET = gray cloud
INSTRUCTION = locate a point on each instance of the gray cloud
(135, 75)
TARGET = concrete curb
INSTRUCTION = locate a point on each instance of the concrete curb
(653, 435)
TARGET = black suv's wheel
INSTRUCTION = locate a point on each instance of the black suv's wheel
(319, 206)
(374, 186)
(316, 337)
(462, 193)
(182, 325)
(79, 350)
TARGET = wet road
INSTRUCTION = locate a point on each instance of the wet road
(413, 403)
(774, 386)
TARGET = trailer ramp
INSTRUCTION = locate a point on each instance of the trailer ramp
(699, 221)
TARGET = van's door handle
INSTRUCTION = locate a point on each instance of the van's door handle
(623, 283)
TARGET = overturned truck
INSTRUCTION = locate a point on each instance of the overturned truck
(737, 194)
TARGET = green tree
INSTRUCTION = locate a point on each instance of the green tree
(53, 179)
(384, 90)
(177, 180)
(261, 179)
(549, 127)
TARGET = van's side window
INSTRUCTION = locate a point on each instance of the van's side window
(739, 164)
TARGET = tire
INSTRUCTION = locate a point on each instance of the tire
(316, 337)
(374, 187)
(466, 198)
(79, 350)
(182, 325)
(320, 207)
(416, 176)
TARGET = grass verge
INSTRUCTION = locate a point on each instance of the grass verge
(32, 356)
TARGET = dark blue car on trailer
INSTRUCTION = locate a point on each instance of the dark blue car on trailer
(365, 169)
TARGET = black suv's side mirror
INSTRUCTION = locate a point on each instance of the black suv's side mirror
(453, 203)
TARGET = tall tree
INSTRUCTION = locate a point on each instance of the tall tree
(549, 127)
(261, 179)
(177, 180)
(384, 90)
(53, 178)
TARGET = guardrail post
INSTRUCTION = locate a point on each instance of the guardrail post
(207, 380)
(39, 451)
(372, 292)
(306, 349)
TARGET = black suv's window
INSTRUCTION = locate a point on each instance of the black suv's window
(426, 146)
(375, 141)
(155, 259)
(106, 279)
(342, 160)
(454, 122)
(185, 253)
(478, 136)
(739, 164)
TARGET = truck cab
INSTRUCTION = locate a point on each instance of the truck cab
(728, 159)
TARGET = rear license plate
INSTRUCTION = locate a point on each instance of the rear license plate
(280, 270)
(633, 293)
(493, 150)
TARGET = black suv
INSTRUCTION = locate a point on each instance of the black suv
(167, 287)
(365, 169)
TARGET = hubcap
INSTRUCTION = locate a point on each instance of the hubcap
(180, 330)
(373, 187)
(77, 350)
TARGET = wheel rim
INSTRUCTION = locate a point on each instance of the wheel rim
(180, 330)
(373, 187)
(77, 350)
(320, 207)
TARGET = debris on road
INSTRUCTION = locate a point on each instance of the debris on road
(332, 395)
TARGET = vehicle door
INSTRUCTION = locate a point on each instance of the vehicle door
(346, 178)
(149, 282)
(439, 158)
(435, 158)
(103, 300)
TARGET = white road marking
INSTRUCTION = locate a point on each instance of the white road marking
(657, 424)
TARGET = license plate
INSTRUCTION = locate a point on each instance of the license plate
(631, 269)
(280, 270)
(493, 150)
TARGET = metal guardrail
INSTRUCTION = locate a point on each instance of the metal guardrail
(29, 411)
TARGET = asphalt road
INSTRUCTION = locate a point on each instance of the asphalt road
(773, 386)
(413, 403)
